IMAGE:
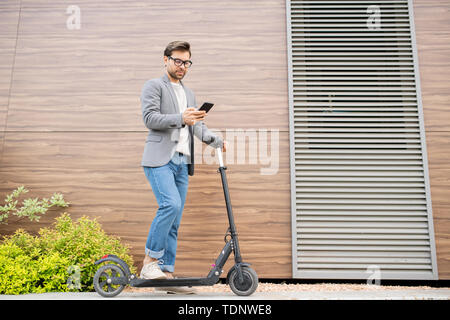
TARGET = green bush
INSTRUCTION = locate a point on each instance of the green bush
(57, 259)
(31, 208)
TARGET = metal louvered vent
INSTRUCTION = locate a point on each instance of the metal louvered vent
(359, 177)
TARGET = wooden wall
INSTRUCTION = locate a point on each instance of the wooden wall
(70, 117)
(432, 19)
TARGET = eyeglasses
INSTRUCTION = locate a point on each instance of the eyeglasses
(179, 62)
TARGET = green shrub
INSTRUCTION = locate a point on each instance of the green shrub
(31, 208)
(45, 263)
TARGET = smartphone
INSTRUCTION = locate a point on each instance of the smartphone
(206, 107)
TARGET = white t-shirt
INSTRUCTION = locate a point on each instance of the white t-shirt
(183, 143)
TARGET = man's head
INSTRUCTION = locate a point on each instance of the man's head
(177, 59)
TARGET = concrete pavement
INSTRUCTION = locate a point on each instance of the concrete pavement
(413, 294)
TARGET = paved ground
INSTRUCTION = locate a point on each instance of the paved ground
(414, 294)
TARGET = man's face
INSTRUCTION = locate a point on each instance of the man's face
(177, 72)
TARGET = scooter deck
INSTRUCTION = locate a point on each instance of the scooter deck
(176, 282)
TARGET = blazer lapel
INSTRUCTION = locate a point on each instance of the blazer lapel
(190, 103)
(166, 81)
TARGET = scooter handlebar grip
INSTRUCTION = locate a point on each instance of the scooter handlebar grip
(220, 156)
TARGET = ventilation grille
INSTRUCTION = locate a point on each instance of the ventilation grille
(357, 163)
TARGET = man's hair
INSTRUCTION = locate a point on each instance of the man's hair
(177, 45)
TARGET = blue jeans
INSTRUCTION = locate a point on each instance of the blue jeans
(169, 184)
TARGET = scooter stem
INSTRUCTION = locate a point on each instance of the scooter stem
(226, 193)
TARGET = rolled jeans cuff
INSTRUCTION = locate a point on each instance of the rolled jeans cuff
(154, 254)
(167, 268)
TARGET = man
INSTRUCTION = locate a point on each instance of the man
(169, 112)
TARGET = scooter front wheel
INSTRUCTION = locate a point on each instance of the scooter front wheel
(248, 286)
(103, 280)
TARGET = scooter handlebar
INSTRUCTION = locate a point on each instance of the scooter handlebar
(220, 156)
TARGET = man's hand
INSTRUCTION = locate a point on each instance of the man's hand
(191, 116)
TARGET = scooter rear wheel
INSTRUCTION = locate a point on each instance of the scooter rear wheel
(102, 280)
(247, 287)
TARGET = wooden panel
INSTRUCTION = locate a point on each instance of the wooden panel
(434, 64)
(441, 227)
(9, 13)
(99, 174)
(432, 20)
(6, 63)
(90, 80)
(438, 145)
(93, 76)
(440, 190)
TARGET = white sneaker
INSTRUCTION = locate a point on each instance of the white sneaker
(152, 271)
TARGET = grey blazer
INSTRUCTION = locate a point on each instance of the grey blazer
(161, 115)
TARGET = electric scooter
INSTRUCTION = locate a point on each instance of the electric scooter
(111, 279)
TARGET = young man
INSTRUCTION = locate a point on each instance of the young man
(169, 112)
